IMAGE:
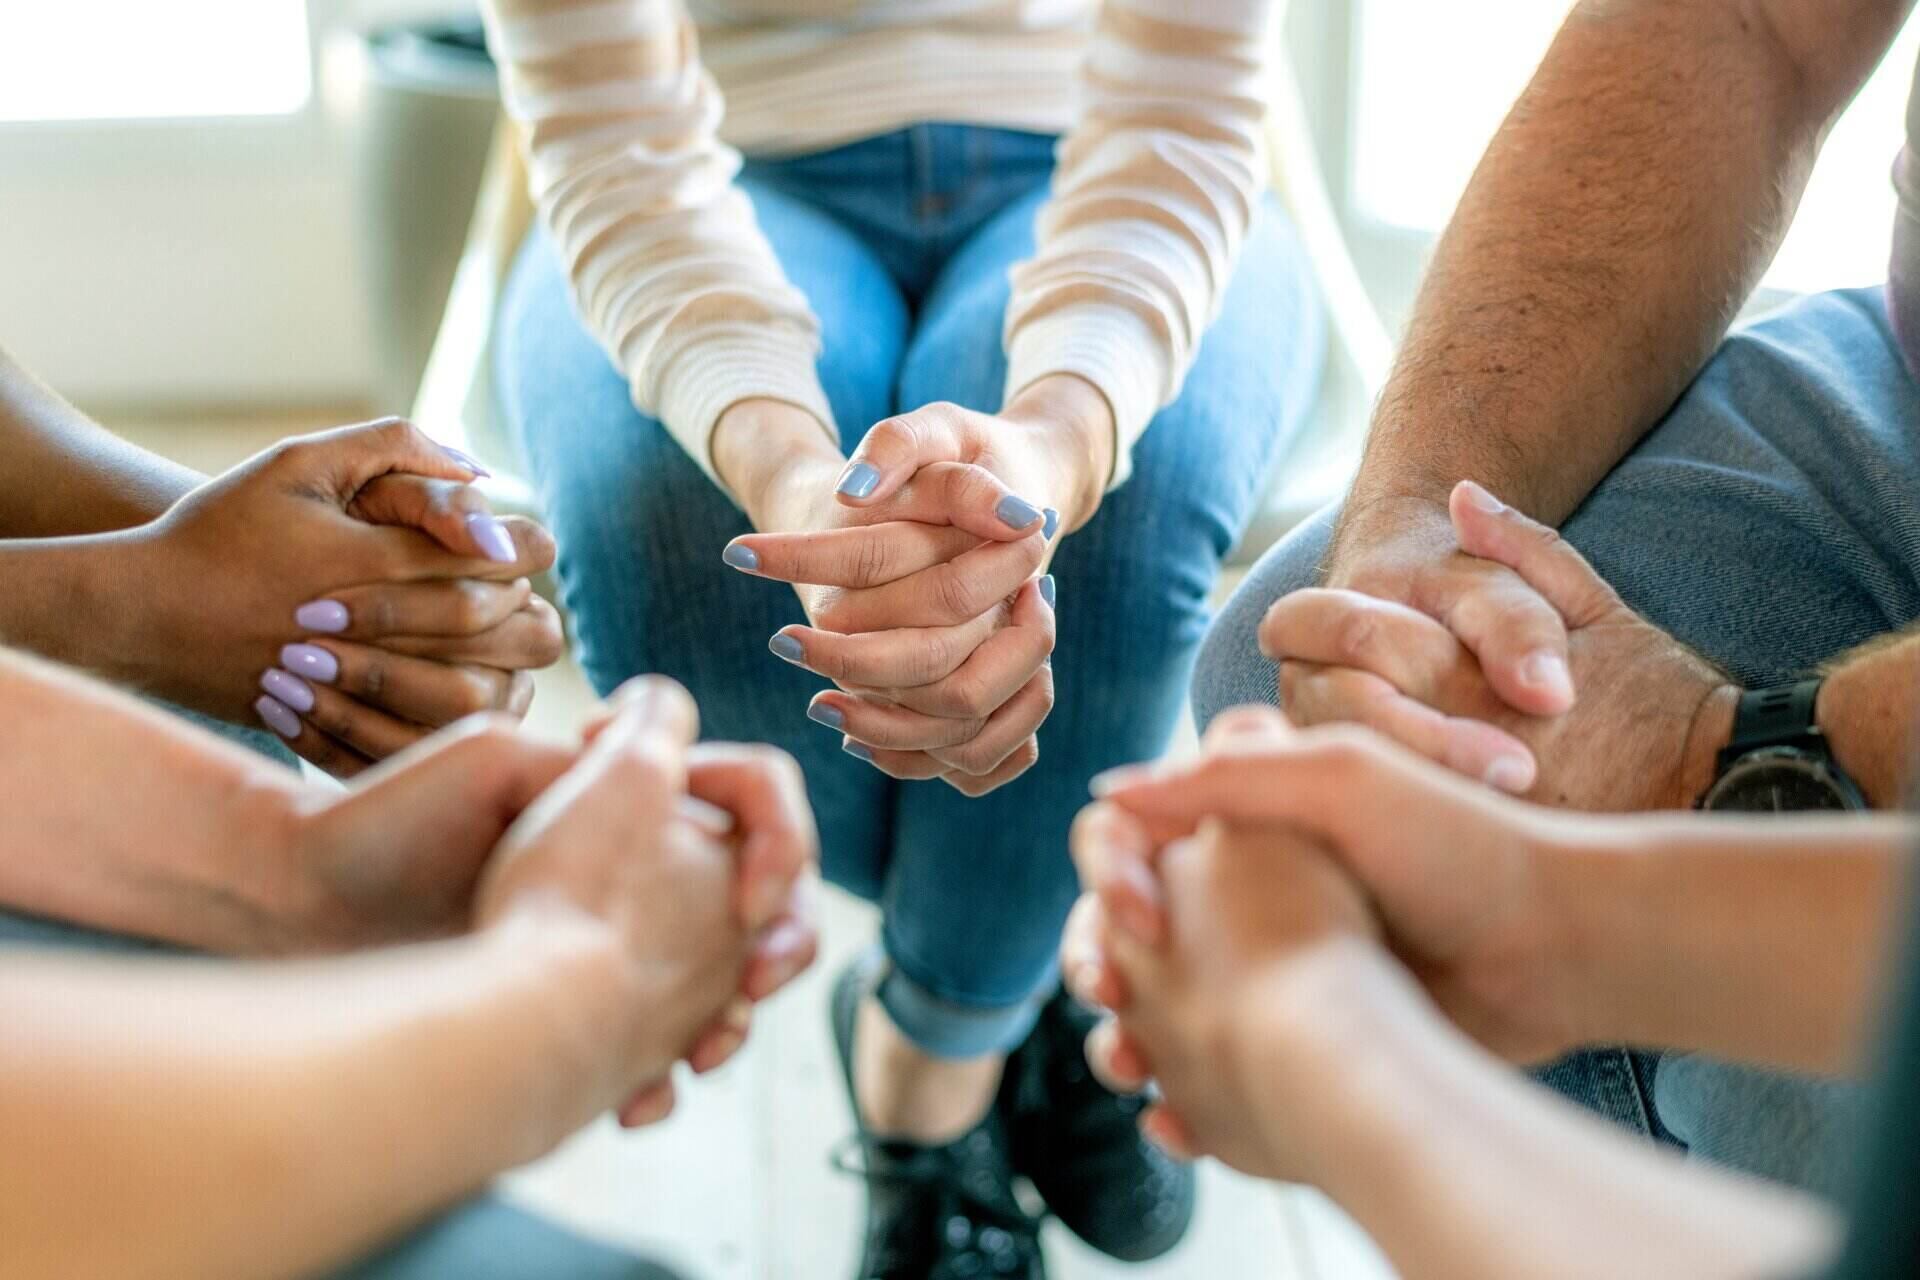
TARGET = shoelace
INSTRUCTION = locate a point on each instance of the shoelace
(993, 1232)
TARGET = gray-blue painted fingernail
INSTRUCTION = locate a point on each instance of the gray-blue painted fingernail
(827, 714)
(858, 750)
(465, 459)
(310, 662)
(1046, 590)
(785, 646)
(858, 480)
(1016, 513)
(278, 717)
(741, 557)
(289, 689)
(321, 615)
(495, 543)
(1052, 525)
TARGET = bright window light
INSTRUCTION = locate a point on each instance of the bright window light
(1433, 86)
(142, 59)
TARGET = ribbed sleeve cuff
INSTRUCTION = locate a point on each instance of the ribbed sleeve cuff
(720, 370)
(1109, 346)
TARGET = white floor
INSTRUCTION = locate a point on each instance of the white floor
(737, 1185)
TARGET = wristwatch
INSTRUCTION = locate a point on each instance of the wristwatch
(1778, 761)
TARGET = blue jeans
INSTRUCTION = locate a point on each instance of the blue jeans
(902, 243)
(1771, 521)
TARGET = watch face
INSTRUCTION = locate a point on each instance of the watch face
(1780, 780)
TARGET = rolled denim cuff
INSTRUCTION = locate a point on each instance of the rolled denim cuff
(947, 1028)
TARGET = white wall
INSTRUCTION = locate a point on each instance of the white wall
(190, 262)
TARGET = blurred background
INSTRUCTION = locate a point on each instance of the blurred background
(225, 220)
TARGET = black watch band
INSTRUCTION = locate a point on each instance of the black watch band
(1779, 717)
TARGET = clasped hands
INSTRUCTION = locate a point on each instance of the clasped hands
(921, 564)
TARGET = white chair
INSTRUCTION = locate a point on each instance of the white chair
(456, 402)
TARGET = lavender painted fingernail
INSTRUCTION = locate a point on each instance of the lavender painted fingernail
(465, 459)
(1047, 590)
(858, 480)
(321, 615)
(1052, 525)
(743, 558)
(858, 750)
(785, 646)
(278, 717)
(289, 689)
(495, 543)
(827, 714)
(1016, 513)
(311, 662)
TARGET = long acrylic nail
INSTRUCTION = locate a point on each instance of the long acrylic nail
(278, 717)
(858, 480)
(1052, 525)
(1016, 512)
(495, 543)
(321, 615)
(858, 750)
(289, 689)
(827, 714)
(1047, 589)
(785, 646)
(741, 557)
(310, 662)
(466, 460)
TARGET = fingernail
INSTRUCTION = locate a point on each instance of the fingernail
(1052, 525)
(321, 615)
(1547, 670)
(741, 557)
(1046, 590)
(465, 459)
(827, 714)
(858, 750)
(495, 543)
(278, 717)
(1016, 513)
(311, 662)
(715, 1052)
(1480, 498)
(1108, 781)
(288, 689)
(858, 480)
(785, 646)
(1509, 773)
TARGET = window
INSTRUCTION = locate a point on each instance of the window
(144, 59)
(1432, 86)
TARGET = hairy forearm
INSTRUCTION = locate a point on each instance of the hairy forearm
(122, 818)
(1462, 1170)
(246, 1122)
(1868, 709)
(1762, 939)
(1621, 215)
(65, 474)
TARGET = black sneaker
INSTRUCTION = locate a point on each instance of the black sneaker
(933, 1213)
(1080, 1145)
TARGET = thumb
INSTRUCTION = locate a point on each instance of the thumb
(1490, 529)
(895, 448)
(455, 515)
(478, 774)
(345, 459)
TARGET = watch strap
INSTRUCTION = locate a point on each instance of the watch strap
(1778, 717)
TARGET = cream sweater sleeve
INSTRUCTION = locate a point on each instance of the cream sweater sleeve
(1152, 197)
(670, 272)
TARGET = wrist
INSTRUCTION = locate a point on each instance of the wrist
(67, 599)
(1367, 525)
(1847, 705)
(761, 448)
(1074, 425)
(1708, 733)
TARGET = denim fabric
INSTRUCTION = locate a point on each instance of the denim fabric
(903, 243)
(1771, 521)
(484, 1239)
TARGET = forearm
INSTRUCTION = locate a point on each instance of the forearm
(1459, 1168)
(1620, 217)
(1868, 709)
(122, 818)
(1761, 939)
(251, 1121)
(65, 474)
